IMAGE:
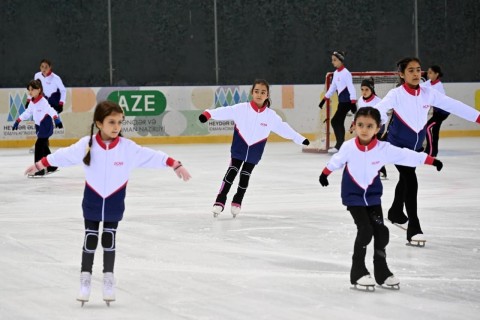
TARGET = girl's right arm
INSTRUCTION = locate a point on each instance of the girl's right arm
(223, 113)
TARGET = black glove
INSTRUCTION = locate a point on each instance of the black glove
(26, 105)
(320, 105)
(58, 123)
(15, 126)
(306, 142)
(353, 107)
(438, 164)
(323, 180)
(202, 118)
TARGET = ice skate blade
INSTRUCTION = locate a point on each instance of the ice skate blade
(366, 288)
(393, 287)
(82, 301)
(402, 226)
(416, 243)
(107, 301)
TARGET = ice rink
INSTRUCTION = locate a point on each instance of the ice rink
(286, 256)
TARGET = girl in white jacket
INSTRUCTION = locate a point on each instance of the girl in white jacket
(253, 122)
(108, 160)
(362, 190)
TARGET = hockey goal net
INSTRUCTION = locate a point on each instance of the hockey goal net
(384, 82)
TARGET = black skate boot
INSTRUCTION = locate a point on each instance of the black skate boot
(398, 219)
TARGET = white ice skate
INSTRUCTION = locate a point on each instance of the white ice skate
(332, 150)
(217, 209)
(108, 288)
(365, 283)
(235, 209)
(392, 283)
(85, 286)
(418, 240)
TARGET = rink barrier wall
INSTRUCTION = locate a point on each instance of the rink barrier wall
(169, 115)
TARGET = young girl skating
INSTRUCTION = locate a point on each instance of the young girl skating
(342, 83)
(108, 160)
(362, 158)
(411, 103)
(253, 122)
(45, 118)
(435, 122)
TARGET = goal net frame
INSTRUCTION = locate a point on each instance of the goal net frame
(384, 82)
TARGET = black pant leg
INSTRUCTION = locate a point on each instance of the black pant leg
(228, 179)
(364, 236)
(245, 173)
(381, 237)
(109, 238)
(90, 243)
(338, 123)
(433, 132)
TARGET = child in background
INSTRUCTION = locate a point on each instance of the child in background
(347, 97)
(362, 158)
(43, 114)
(54, 90)
(411, 103)
(253, 122)
(435, 122)
(369, 98)
(108, 160)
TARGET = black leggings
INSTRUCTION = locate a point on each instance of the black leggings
(433, 132)
(228, 179)
(406, 193)
(338, 122)
(90, 243)
(42, 150)
(369, 221)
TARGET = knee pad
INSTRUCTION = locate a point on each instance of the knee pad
(244, 178)
(108, 239)
(364, 235)
(231, 174)
(91, 241)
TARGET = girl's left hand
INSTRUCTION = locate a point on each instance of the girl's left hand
(34, 168)
(180, 171)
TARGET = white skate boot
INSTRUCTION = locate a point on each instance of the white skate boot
(392, 282)
(365, 283)
(108, 288)
(217, 209)
(418, 240)
(85, 282)
(235, 209)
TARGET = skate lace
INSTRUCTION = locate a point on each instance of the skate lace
(85, 281)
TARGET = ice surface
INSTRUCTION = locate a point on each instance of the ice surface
(286, 256)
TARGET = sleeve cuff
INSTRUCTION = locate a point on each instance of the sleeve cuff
(326, 171)
(45, 162)
(60, 103)
(478, 119)
(353, 101)
(170, 162)
(207, 114)
(19, 120)
(429, 160)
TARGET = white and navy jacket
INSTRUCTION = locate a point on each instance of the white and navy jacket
(108, 173)
(43, 116)
(53, 88)
(342, 83)
(252, 128)
(361, 185)
(410, 113)
(372, 101)
(437, 85)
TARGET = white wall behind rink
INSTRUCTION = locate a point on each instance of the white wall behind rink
(297, 104)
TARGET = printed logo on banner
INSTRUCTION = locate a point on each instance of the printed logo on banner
(17, 105)
(144, 103)
(227, 96)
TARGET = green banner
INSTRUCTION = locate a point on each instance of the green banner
(144, 103)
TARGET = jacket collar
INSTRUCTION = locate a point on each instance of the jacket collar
(369, 98)
(434, 82)
(368, 147)
(256, 108)
(413, 92)
(341, 68)
(103, 145)
(38, 98)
